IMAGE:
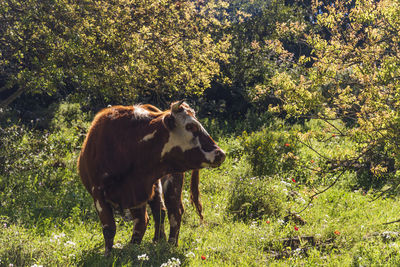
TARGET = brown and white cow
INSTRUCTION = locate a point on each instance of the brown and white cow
(169, 190)
(128, 148)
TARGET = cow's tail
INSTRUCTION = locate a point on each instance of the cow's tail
(195, 193)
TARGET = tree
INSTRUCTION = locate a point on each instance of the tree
(110, 50)
(252, 61)
(354, 78)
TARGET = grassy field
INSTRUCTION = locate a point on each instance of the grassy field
(47, 218)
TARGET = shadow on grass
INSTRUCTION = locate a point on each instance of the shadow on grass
(128, 255)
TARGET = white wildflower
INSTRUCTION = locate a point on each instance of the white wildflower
(57, 237)
(35, 265)
(297, 251)
(389, 234)
(70, 243)
(143, 257)
(280, 221)
(190, 255)
(301, 200)
(173, 262)
(118, 245)
(253, 225)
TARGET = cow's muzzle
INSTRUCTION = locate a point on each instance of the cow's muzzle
(219, 158)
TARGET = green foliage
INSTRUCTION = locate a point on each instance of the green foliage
(38, 179)
(353, 77)
(110, 50)
(252, 121)
(69, 115)
(270, 150)
(253, 60)
(50, 219)
(255, 198)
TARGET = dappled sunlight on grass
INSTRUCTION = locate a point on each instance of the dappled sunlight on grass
(250, 218)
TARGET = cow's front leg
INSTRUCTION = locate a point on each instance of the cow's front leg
(105, 212)
(140, 219)
(173, 201)
(158, 210)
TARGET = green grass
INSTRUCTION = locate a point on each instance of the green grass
(346, 227)
(47, 218)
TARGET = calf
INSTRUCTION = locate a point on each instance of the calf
(126, 150)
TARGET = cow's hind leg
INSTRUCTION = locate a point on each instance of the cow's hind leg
(158, 210)
(140, 219)
(173, 201)
(105, 212)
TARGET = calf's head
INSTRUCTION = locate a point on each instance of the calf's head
(189, 145)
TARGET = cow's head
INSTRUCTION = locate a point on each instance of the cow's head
(189, 145)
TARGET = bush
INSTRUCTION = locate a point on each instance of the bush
(38, 178)
(270, 152)
(256, 197)
(69, 115)
(252, 121)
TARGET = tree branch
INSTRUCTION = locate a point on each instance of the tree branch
(12, 97)
(320, 192)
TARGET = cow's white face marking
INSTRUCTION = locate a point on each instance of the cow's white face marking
(180, 137)
(173, 221)
(98, 206)
(183, 136)
(178, 140)
(210, 156)
(148, 136)
(140, 112)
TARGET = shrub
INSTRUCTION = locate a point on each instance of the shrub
(256, 197)
(38, 178)
(269, 151)
(68, 115)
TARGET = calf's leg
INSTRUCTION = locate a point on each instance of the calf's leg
(173, 201)
(158, 210)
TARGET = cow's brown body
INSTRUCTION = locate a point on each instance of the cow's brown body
(171, 194)
(128, 148)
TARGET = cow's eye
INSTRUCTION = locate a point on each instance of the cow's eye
(191, 127)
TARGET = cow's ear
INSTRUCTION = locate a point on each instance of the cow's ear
(169, 122)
